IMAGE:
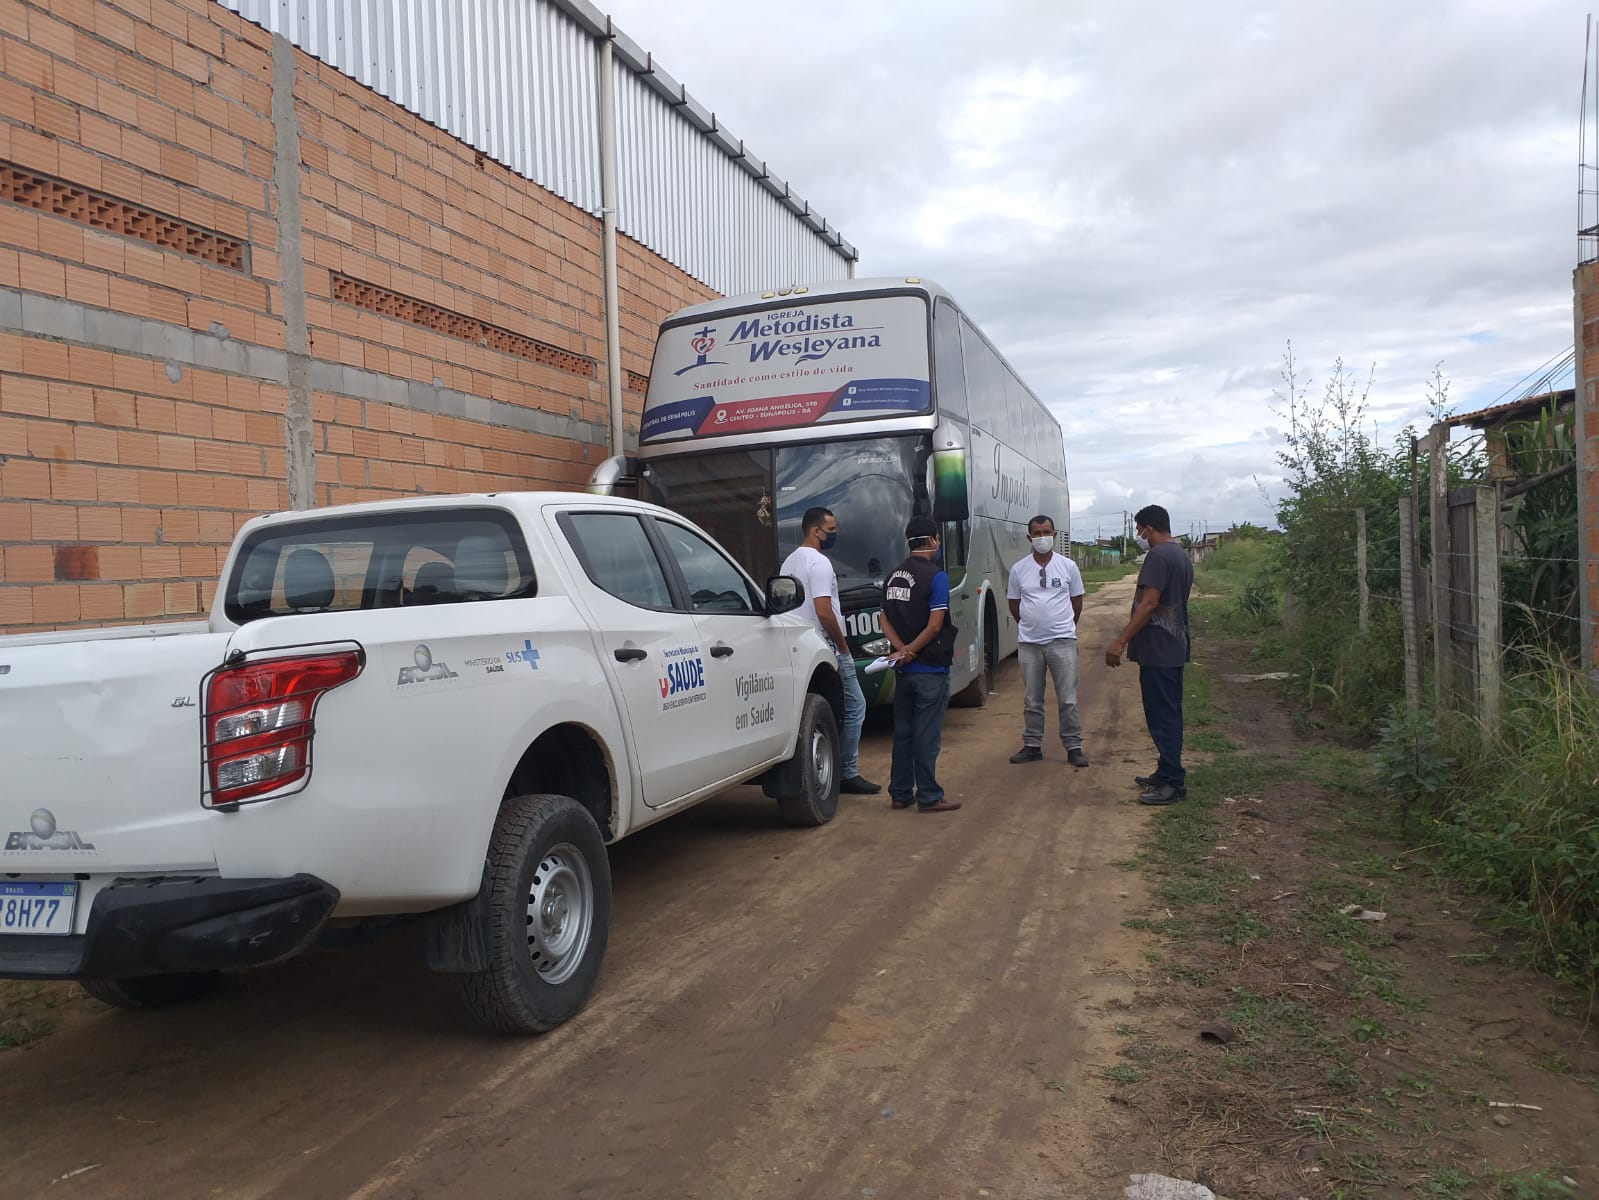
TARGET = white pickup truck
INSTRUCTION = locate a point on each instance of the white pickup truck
(439, 707)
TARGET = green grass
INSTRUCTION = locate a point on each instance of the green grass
(1516, 812)
(1234, 596)
(28, 1010)
(1337, 768)
(1108, 573)
(1199, 709)
(1208, 740)
(1532, 1185)
(1095, 578)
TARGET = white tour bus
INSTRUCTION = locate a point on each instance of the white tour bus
(877, 399)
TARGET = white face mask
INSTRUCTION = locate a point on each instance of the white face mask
(1043, 545)
(1142, 542)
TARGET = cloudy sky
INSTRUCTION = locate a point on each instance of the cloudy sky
(1143, 203)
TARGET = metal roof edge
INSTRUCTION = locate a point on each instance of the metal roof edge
(642, 63)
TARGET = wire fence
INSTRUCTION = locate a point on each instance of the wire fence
(1488, 606)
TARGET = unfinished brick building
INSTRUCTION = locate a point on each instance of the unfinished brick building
(245, 270)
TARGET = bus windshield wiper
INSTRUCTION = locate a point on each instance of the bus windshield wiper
(859, 591)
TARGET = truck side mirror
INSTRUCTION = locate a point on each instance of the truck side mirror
(784, 594)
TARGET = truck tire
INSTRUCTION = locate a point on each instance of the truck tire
(816, 767)
(152, 991)
(548, 916)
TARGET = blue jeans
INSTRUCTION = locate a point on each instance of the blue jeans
(920, 699)
(849, 736)
(1163, 713)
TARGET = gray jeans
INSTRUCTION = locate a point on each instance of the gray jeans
(1060, 656)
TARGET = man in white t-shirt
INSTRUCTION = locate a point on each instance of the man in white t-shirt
(809, 565)
(1046, 602)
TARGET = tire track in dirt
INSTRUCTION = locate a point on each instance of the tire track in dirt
(712, 1053)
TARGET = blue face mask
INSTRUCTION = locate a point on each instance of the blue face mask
(938, 556)
(828, 540)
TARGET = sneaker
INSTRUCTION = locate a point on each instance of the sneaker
(1027, 754)
(1077, 758)
(856, 785)
(941, 806)
(1163, 793)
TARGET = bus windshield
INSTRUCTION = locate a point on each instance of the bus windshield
(752, 501)
(873, 487)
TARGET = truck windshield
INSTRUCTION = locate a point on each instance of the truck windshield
(752, 501)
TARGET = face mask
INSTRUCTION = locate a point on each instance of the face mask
(828, 539)
(1043, 545)
(1141, 542)
(938, 556)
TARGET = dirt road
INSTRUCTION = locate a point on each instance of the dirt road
(895, 1005)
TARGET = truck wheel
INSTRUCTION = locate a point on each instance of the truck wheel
(816, 759)
(549, 916)
(152, 991)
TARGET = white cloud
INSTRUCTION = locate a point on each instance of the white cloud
(1142, 202)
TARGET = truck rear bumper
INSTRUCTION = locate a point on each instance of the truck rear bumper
(163, 926)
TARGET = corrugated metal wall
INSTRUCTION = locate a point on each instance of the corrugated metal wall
(676, 187)
(518, 81)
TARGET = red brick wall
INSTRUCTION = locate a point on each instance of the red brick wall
(137, 154)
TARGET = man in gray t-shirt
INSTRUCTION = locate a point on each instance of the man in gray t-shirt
(1156, 638)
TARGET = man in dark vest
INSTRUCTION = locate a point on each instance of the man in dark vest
(916, 623)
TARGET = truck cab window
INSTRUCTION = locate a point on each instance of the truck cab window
(617, 556)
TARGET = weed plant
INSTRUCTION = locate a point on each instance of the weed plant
(1515, 809)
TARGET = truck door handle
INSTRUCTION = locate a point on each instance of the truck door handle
(721, 650)
(631, 654)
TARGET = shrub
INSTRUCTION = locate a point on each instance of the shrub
(1519, 814)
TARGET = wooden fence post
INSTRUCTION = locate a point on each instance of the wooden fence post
(1437, 442)
(1409, 552)
(1360, 569)
(1487, 589)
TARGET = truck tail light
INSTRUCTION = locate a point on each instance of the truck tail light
(258, 722)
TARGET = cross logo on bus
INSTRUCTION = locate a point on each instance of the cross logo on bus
(702, 343)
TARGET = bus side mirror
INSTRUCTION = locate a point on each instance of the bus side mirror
(616, 476)
(784, 594)
(950, 503)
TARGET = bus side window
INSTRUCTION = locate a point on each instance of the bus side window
(948, 367)
(978, 379)
(954, 547)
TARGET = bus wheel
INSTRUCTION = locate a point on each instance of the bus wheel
(975, 694)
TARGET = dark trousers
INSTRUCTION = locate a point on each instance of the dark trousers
(1163, 713)
(919, 702)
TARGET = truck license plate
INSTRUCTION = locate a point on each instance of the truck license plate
(37, 908)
